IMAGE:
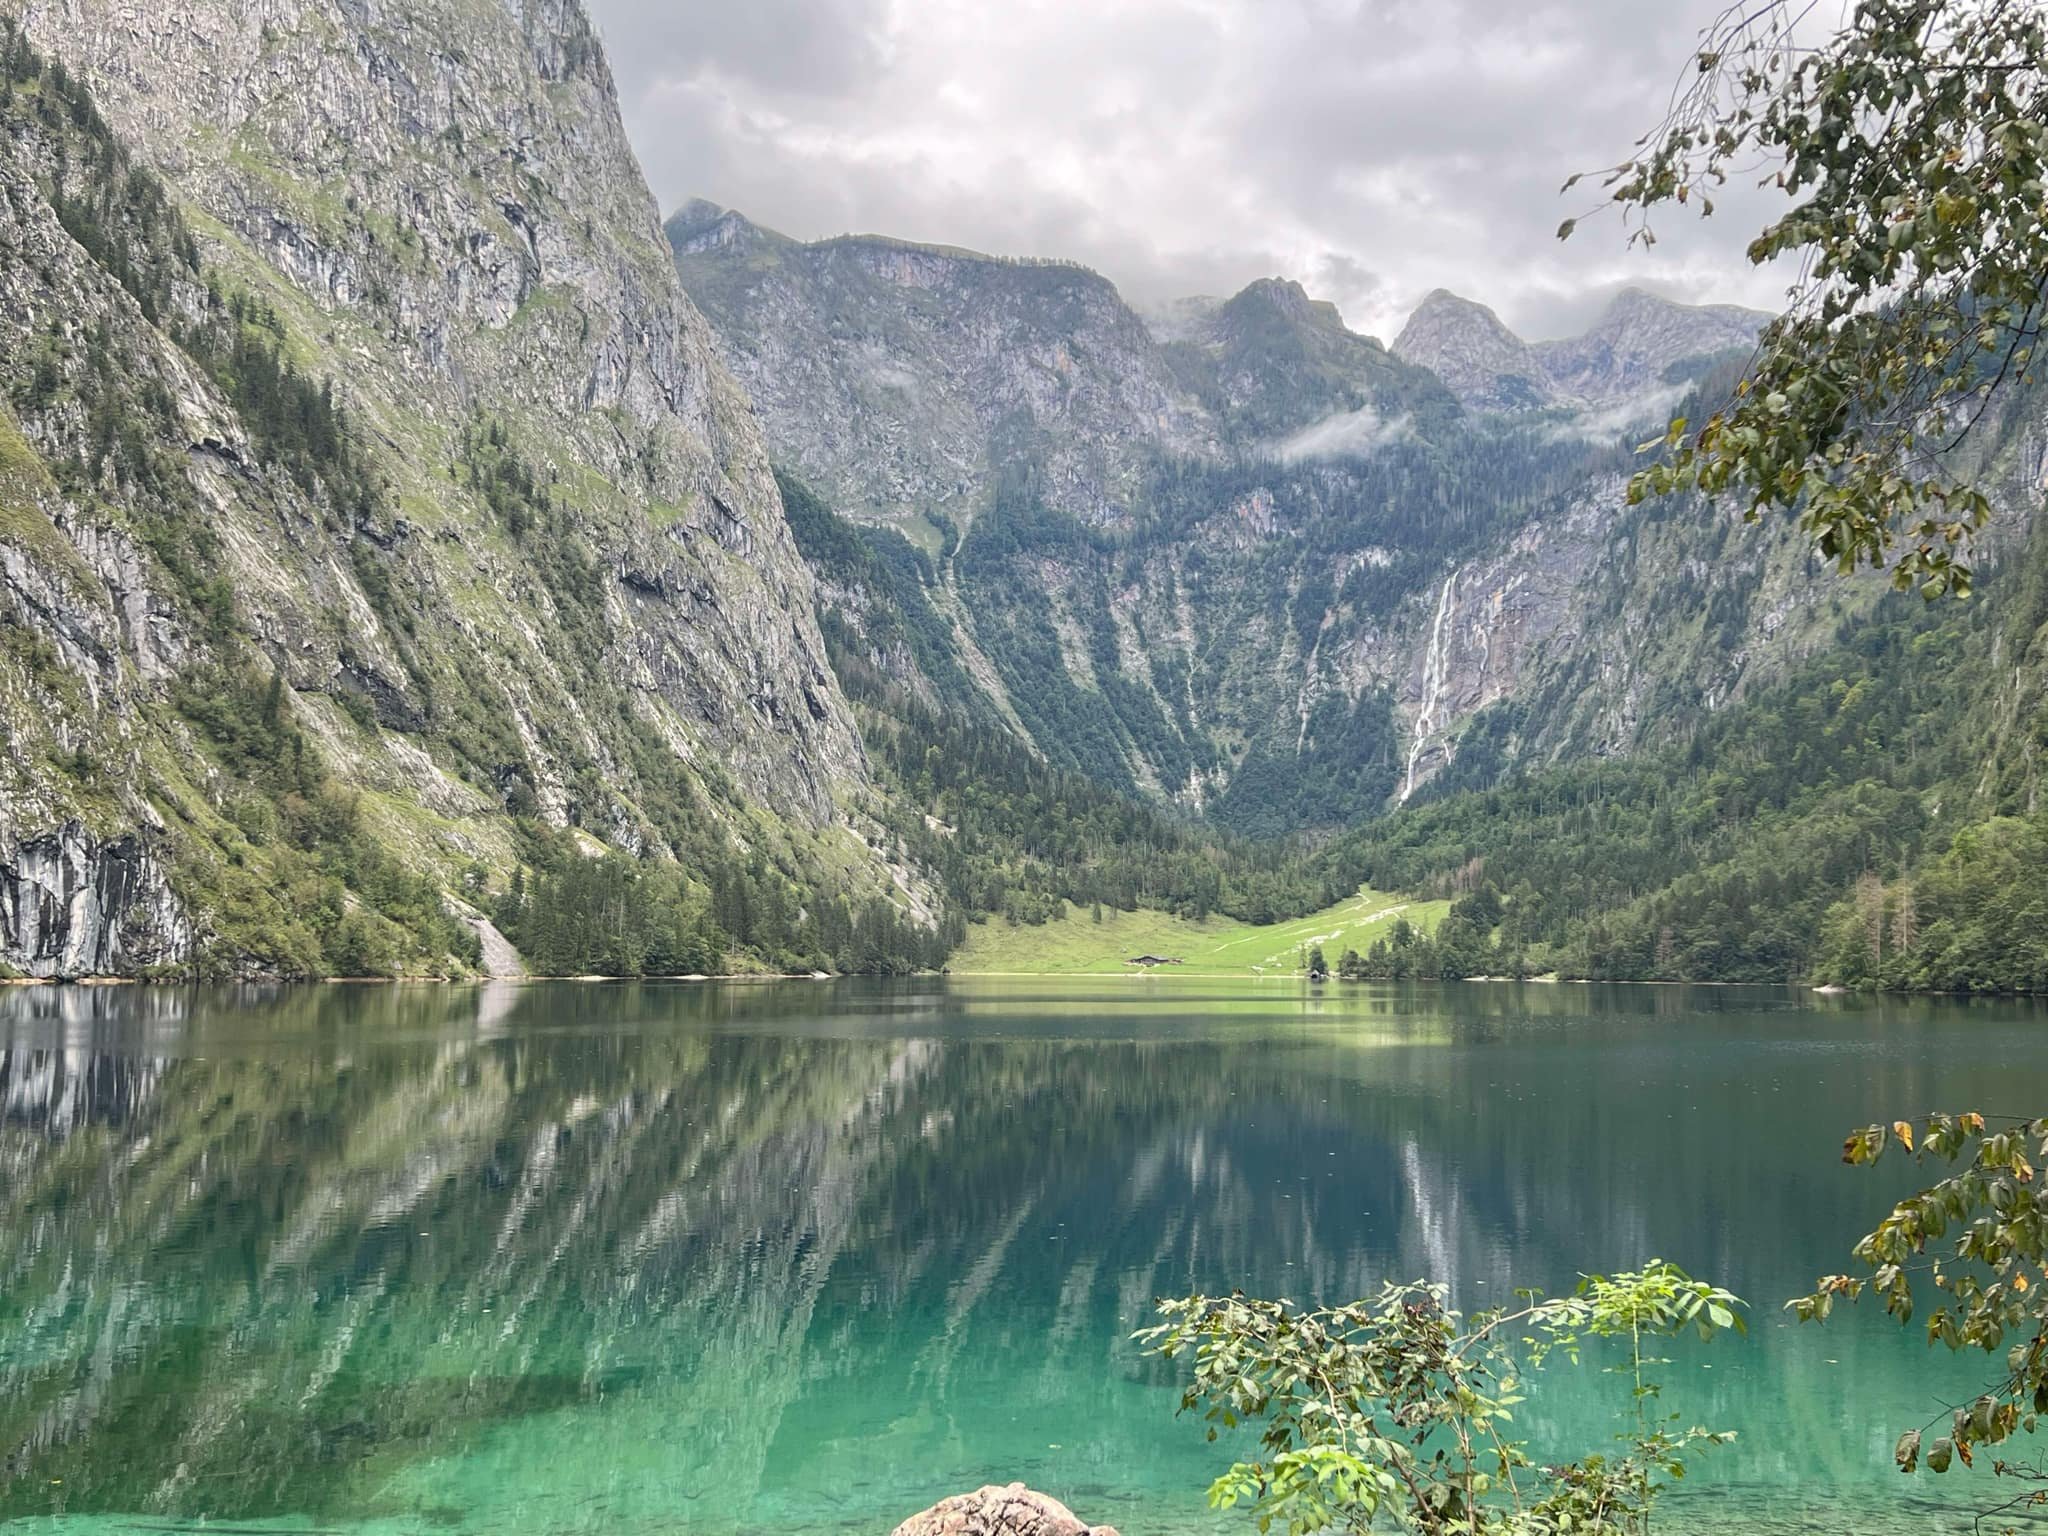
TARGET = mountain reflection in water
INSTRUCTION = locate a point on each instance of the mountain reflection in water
(561, 1258)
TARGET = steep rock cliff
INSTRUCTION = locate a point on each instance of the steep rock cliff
(528, 557)
(905, 379)
(1293, 616)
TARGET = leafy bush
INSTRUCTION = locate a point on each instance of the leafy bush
(1403, 1406)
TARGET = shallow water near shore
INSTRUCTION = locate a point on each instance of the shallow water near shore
(807, 1256)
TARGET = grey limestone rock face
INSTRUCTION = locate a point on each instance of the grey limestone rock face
(1466, 345)
(1622, 358)
(901, 379)
(434, 208)
(74, 905)
(1636, 339)
(448, 193)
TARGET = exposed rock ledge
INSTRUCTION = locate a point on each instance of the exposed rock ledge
(993, 1511)
(74, 905)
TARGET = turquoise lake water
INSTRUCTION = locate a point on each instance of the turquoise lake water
(802, 1257)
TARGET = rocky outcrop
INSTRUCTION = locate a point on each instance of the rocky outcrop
(1484, 363)
(74, 905)
(1011, 1510)
(1625, 359)
(902, 379)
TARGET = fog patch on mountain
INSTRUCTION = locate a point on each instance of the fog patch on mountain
(1648, 413)
(1355, 434)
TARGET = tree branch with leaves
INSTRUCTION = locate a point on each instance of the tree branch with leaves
(1401, 1406)
(1912, 149)
(1978, 1239)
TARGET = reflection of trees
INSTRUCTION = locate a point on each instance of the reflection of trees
(248, 1280)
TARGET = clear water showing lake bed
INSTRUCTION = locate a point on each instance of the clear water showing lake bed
(807, 1256)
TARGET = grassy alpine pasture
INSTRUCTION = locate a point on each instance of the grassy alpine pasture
(1075, 944)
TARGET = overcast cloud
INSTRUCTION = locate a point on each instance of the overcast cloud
(1373, 149)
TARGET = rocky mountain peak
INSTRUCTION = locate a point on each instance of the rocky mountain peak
(1283, 295)
(1465, 344)
(1629, 352)
(1283, 300)
(703, 225)
(1626, 355)
(898, 377)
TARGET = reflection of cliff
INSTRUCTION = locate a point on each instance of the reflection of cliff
(353, 1251)
(376, 1253)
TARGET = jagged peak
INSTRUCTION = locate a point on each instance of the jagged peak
(1282, 294)
(1440, 307)
(702, 225)
(1287, 300)
(1447, 299)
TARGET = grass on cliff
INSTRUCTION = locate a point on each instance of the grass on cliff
(1076, 944)
(22, 523)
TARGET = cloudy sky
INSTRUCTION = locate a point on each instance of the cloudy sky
(1373, 149)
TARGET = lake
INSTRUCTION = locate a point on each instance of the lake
(807, 1256)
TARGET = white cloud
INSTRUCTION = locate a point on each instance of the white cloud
(1646, 415)
(1374, 149)
(1345, 435)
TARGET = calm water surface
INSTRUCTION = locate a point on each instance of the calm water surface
(804, 1257)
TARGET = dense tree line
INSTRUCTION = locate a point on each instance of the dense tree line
(1732, 853)
(1013, 835)
(1830, 827)
(1005, 831)
(610, 914)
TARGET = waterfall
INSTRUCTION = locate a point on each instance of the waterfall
(1434, 664)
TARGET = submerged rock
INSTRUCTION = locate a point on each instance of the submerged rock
(992, 1511)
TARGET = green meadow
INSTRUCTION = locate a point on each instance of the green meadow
(1075, 943)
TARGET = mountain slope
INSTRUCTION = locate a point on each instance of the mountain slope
(901, 379)
(1287, 618)
(1633, 357)
(375, 436)
(1281, 373)
(1483, 362)
(1638, 340)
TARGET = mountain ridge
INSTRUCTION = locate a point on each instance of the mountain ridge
(1289, 617)
(419, 500)
(1625, 357)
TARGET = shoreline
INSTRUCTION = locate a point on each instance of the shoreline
(1828, 989)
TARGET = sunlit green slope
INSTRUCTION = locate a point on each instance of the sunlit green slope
(1077, 943)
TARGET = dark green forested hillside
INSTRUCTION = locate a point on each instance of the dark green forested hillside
(1874, 819)
(1006, 831)
(1871, 818)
